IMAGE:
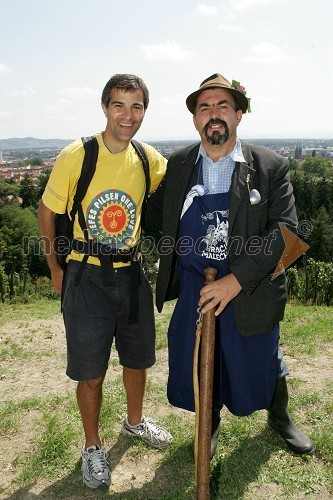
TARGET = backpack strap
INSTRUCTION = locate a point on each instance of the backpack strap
(88, 169)
(140, 151)
(90, 145)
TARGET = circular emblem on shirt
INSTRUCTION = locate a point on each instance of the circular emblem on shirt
(111, 218)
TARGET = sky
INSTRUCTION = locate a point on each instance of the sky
(56, 56)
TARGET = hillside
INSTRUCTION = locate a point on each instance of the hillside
(32, 143)
(16, 143)
(41, 432)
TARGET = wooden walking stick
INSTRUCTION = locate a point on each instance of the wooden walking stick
(203, 394)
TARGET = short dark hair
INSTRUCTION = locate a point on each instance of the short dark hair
(128, 83)
(237, 104)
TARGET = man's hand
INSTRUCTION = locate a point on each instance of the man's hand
(220, 293)
(57, 275)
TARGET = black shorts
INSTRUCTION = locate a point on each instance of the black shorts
(94, 315)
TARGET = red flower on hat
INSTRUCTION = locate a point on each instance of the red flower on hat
(237, 86)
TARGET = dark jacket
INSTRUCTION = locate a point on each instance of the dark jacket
(256, 243)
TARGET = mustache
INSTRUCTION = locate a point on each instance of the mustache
(215, 121)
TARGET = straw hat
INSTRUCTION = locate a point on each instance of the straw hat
(218, 81)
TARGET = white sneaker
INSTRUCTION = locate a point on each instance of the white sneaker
(95, 468)
(148, 431)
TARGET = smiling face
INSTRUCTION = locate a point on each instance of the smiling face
(124, 115)
(216, 119)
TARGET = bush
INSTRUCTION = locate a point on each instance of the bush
(312, 284)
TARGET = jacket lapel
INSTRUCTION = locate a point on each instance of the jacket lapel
(238, 187)
(184, 171)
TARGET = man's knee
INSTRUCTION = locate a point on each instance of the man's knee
(91, 384)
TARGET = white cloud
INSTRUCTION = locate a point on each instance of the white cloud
(55, 106)
(268, 53)
(23, 92)
(4, 69)
(5, 113)
(264, 99)
(230, 28)
(168, 106)
(70, 118)
(77, 92)
(170, 50)
(243, 5)
(206, 10)
(64, 118)
(62, 100)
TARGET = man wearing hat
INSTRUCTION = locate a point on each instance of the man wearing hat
(223, 203)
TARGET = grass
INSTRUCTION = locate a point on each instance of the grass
(162, 320)
(45, 309)
(51, 453)
(13, 412)
(307, 329)
(251, 460)
(10, 349)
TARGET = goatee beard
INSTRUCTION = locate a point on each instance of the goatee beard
(216, 138)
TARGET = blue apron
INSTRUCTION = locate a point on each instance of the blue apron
(245, 368)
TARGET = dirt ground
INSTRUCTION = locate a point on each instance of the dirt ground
(23, 379)
(19, 380)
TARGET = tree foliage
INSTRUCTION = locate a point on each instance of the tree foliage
(4, 284)
(312, 283)
(35, 161)
(314, 203)
(42, 181)
(28, 192)
(321, 236)
(316, 165)
(9, 192)
(18, 226)
(22, 261)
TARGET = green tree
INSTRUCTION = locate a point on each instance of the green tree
(4, 284)
(304, 187)
(324, 195)
(37, 160)
(294, 283)
(299, 193)
(316, 165)
(321, 237)
(320, 276)
(17, 227)
(8, 192)
(42, 181)
(294, 164)
(28, 192)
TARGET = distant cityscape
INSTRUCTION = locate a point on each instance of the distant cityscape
(30, 156)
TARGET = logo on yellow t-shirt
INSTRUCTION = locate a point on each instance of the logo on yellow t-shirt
(111, 218)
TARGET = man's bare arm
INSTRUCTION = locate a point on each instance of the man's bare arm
(46, 222)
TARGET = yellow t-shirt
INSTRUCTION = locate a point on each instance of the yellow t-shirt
(113, 202)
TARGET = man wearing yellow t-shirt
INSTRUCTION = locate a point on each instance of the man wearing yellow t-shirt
(97, 300)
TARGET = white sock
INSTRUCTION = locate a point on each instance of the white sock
(130, 425)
